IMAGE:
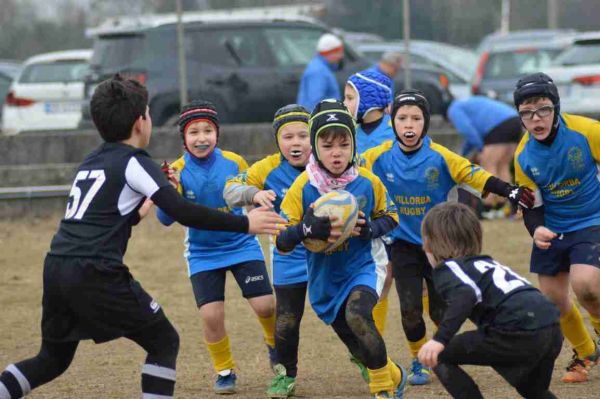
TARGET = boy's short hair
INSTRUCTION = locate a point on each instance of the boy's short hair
(334, 132)
(115, 106)
(451, 230)
(533, 100)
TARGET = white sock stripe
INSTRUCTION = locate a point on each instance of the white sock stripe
(159, 371)
(25, 387)
(155, 396)
(4, 394)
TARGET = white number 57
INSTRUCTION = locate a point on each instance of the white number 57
(76, 209)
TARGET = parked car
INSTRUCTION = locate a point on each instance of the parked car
(457, 63)
(8, 71)
(576, 72)
(526, 35)
(249, 65)
(502, 64)
(48, 93)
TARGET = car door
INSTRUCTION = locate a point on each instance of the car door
(230, 66)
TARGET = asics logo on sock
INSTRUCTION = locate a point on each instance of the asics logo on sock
(306, 230)
(251, 279)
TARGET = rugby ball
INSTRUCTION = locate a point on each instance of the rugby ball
(338, 203)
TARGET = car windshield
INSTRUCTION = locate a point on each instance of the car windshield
(292, 46)
(113, 53)
(59, 71)
(580, 54)
(511, 64)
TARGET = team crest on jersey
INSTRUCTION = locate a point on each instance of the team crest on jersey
(389, 177)
(432, 175)
(189, 194)
(575, 157)
(535, 171)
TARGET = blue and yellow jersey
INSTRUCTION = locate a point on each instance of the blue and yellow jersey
(332, 275)
(565, 174)
(202, 182)
(419, 181)
(382, 133)
(275, 173)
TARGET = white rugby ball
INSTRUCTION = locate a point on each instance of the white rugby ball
(338, 203)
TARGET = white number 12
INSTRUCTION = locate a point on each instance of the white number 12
(500, 274)
(76, 209)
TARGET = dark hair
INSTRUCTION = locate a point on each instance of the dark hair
(333, 132)
(451, 230)
(115, 106)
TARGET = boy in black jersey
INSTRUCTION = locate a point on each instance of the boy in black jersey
(518, 332)
(88, 291)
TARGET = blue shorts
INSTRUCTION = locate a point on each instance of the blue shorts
(252, 278)
(577, 247)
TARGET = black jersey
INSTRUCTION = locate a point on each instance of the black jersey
(109, 188)
(490, 295)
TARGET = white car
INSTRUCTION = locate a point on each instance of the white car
(48, 93)
(576, 72)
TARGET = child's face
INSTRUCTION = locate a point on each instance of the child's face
(294, 143)
(539, 123)
(351, 100)
(409, 123)
(335, 153)
(200, 138)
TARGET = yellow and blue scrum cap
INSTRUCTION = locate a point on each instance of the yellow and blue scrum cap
(289, 114)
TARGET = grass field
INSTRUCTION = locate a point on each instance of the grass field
(155, 258)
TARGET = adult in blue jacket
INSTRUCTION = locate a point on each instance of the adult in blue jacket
(318, 81)
(490, 128)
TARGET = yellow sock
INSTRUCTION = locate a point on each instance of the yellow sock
(380, 312)
(395, 372)
(595, 323)
(416, 346)
(575, 332)
(220, 353)
(380, 380)
(268, 326)
(426, 304)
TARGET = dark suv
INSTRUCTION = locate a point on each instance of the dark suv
(248, 66)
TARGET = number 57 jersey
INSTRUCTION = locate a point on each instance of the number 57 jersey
(502, 299)
(109, 188)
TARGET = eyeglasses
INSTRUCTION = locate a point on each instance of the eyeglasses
(541, 112)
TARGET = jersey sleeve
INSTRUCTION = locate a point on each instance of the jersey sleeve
(240, 190)
(144, 176)
(462, 170)
(460, 293)
(369, 157)
(383, 204)
(292, 208)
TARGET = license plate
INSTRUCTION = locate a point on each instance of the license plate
(62, 107)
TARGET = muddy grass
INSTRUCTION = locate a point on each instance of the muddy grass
(155, 258)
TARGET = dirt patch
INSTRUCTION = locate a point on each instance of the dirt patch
(155, 258)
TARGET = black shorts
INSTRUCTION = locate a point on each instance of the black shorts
(409, 260)
(509, 131)
(93, 298)
(577, 247)
(251, 276)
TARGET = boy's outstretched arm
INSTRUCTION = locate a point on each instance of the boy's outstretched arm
(461, 301)
(197, 216)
